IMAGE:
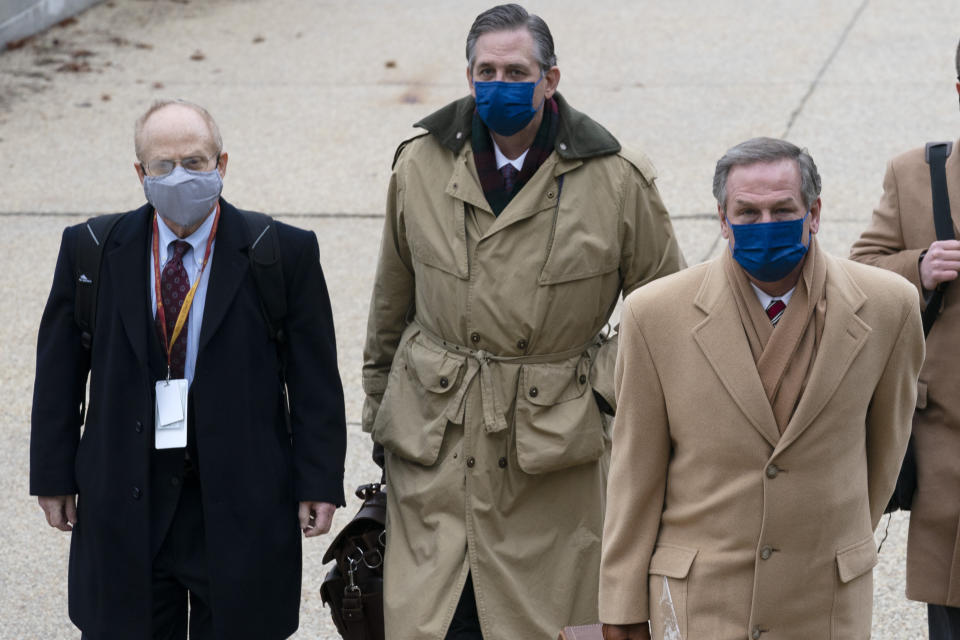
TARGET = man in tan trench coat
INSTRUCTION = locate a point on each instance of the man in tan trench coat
(901, 237)
(485, 366)
(764, 403)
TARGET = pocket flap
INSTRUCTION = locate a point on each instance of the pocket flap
(921, 394)
(672, 562)
(857, 559)
(546, 385)
(436, 370)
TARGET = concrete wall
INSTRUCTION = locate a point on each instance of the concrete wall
(22, 18)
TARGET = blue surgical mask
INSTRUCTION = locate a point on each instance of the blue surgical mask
(183, 197)
(769, 251)
(506, 107)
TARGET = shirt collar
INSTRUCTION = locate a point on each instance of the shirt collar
(765, 298)
(197, 240)
(502, 159)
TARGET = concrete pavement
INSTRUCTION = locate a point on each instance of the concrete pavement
(312, 99)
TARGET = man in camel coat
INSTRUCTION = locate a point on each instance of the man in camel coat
(764, 403)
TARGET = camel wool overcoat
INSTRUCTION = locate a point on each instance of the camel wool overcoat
(756, 535)
(901, 229)
(484, 350)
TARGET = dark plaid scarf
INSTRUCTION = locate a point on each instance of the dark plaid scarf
(491, 180)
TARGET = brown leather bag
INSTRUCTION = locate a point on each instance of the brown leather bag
(353, 588)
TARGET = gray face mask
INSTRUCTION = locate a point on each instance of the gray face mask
(183, 197)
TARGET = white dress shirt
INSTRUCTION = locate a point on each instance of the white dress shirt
(502, 159)
(765, 298)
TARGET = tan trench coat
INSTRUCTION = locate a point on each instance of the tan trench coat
(902, 227)
(760, 536)
(482, 355)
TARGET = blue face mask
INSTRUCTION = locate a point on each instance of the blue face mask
(506, 107)
(769, 251)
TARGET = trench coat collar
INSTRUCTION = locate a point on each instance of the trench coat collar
(578, 136)
(728, 353)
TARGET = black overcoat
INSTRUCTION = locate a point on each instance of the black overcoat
(252, 473)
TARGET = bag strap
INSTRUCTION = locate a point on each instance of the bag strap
(267, 270)
(86, 270)
(936, 155)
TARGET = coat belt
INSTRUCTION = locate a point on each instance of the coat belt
(479, 360)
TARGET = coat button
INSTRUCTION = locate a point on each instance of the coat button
(502, 462)
(136, 493)
(471, 461)
(772, 471)
(534, 392)
(522, 344)
(175, 481)
(444, 382)
(474, 337)
(550, 195)
(765, 553)
(139, 427)
(582, 379)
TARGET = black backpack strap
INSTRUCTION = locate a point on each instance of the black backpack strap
(936, 156)
(86, 270)
(267, 270)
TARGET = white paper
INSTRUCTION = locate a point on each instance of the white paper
(171, 414)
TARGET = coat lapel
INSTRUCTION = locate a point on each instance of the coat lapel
(953, 185)
(128, 263)
(721, 338)
(844, 334)
(228, 267)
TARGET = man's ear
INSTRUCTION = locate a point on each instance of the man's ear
(551, 78)
(138, 167)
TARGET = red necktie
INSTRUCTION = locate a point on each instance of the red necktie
(174, 285)
(775, 310)
(509, 173)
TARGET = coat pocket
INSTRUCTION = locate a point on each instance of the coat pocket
(558, 423)
(418, 401)
(669, 569)
(853, 599)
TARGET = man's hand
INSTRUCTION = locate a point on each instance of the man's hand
(315, 518)
(61, 511)
(940, 264)
(638, 631)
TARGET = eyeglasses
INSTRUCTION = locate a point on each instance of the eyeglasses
(191, 163)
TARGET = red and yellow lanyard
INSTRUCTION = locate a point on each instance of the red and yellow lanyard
(188, 301)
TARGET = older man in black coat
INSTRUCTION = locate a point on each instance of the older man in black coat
(217, 517)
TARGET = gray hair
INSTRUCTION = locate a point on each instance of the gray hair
(508, 17)
(165, 102)
(767, 150)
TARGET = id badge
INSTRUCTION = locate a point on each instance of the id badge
(170, 420)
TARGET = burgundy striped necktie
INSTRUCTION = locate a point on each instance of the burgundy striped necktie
(174, 285)
(775, 310)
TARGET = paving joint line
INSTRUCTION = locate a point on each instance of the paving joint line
(823, 69)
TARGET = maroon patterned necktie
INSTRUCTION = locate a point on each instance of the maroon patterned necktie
(509, 173)
(775, 310)
(174, 285)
